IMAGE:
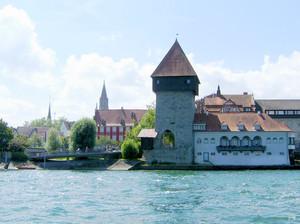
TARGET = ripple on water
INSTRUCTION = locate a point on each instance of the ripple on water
(150, 197)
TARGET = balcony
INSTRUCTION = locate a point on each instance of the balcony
(241, 148)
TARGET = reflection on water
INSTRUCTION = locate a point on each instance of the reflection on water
(150, 197)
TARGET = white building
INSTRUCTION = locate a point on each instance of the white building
(241, 139)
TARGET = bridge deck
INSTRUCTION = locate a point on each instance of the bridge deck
(73, 154)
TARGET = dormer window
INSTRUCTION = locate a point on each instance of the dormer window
(257, 127)
(241, 126)
(224, 126)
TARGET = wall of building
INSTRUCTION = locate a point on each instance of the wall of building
(293, 124)
(116, 133)
(276, 152)
(174, 112)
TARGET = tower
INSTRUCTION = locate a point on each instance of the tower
(103, 102)
(218, 91)
(175, 84)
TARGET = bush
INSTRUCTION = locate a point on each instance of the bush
(130, 149)
(53, 140)
(19, 157)
(83, 134)
(105, 140)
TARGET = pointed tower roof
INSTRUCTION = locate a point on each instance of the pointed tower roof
(103, 93)
(175, 63)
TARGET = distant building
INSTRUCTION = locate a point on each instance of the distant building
(283, 110)
(42, 132)
(65, 128)
(115, 123)
(226, 103)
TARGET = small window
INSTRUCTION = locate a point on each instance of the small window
(206, 141)
(271, 112)
(212, 141)
(275, 140)
(224, 127)
(246, 153)
(269, 141)
(198, 140)
(281, 140)
(235, 153)
(157, 82)
(281, 153)
(199, 153)
(280, 112)
(224, 153)
(290, 112)
(188, 81)
(241, 126)
(269, 153)
(212, 153)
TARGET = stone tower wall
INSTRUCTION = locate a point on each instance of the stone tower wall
(174, 112)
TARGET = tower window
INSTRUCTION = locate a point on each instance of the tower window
(168, 139)
(157, 82)
(188, 81)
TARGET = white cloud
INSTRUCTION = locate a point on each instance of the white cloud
(27, 77)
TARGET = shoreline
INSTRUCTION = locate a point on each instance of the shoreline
(130, 165)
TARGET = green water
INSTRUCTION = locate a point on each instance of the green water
(150, 197)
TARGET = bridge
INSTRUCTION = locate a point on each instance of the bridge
(66, 154)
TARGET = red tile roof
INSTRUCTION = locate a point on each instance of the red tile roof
(213, 121)
(175, 63)
(115, 117)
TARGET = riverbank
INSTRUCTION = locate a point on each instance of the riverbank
(124, 165)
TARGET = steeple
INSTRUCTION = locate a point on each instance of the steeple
(49, 113)
(218, 91)
(103, 102)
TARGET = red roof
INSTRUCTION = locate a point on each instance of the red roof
(117, 117)
(213, 121)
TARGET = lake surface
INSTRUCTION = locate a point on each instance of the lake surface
(41, 196)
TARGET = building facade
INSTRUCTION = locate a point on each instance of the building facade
(285, 111)
(115, 123)
(225, 130)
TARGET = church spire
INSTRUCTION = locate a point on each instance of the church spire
(103, 102)
(218, 91)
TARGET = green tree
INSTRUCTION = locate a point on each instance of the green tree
(105, 140)
(6, 135)
(83, 134)
(130, 149)
(65, 142)
(18, 144)
(35, 141)
(53, 140)
(147, 121)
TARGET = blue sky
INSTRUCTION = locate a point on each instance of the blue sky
(70, 47)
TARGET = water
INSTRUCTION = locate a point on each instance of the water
(150, 197)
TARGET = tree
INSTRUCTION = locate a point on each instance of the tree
(105, 140)
(18, 144)
(147, 121)
(53, 140)
(35, 141)
(130, 149)
(65, 142)
(6, 135)
(83, 134)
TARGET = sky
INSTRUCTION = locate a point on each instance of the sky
(62, 51)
